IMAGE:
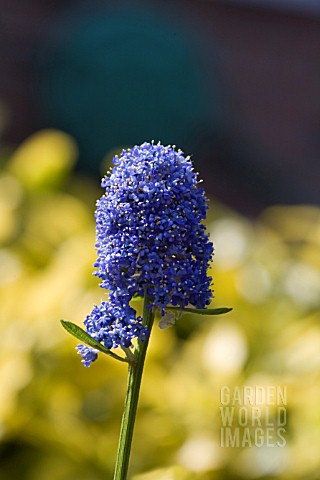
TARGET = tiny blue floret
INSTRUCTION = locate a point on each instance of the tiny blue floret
(88, 354)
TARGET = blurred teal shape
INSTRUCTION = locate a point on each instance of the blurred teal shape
(121, 75)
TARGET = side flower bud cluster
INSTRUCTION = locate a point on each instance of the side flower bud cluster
(149, 239)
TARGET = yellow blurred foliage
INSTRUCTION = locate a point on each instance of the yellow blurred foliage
(44, 159)
(61, 421)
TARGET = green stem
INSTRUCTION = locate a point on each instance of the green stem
(131, 401)
(130, 357)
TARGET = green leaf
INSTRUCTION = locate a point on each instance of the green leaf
(202, 311)
(83, 336)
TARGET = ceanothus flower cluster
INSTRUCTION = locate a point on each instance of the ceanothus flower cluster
(149, 239)
(114, 325)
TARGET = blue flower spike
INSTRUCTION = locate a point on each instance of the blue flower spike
(149, 230)
(150, 240)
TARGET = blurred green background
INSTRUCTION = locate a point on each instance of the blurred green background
(60, 421)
